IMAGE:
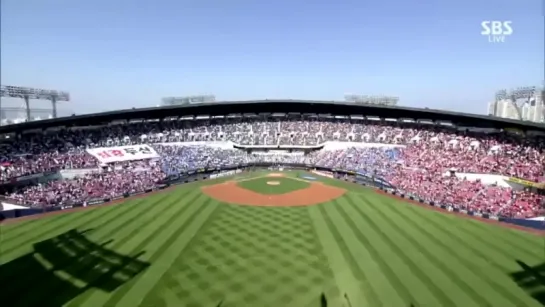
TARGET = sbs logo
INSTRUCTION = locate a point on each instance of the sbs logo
(496, 31)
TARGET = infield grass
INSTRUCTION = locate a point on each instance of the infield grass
(273, 185)
(181, 248)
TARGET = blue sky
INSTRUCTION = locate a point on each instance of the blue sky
(120, 53)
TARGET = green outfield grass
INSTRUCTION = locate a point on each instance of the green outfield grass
(285, 185)
(181, 248)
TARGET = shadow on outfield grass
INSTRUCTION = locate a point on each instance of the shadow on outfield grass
(61, 268)
(531, 279)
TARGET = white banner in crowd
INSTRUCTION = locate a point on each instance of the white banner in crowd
(123, 153)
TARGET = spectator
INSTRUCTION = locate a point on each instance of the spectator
(426, 153)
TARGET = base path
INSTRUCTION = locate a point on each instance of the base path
(230, 192)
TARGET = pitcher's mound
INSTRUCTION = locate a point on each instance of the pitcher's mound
(230, 192)
(273, 182)
(275, 175)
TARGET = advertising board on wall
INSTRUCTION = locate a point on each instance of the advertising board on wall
(123, 153)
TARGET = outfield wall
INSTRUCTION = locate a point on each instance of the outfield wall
(539, 225)
(525, 223)
(187, 177)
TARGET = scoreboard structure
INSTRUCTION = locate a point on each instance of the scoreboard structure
(171, 101)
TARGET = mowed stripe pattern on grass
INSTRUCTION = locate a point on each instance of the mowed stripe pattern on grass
(248, 256)
(130, 228)
(376, 250)
(401, 254)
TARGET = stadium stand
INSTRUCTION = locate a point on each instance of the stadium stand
(432, 161)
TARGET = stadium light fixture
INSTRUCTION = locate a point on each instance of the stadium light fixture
(28, 93)
(366, 99)
(171, 101)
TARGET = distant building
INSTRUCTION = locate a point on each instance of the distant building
(532, 109)
(503, 108)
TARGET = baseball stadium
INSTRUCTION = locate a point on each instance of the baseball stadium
(273, 203)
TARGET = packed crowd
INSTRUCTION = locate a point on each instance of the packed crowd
(417, 167)
(370, 161)
(440, 147)
(90, 186)
(180, 159)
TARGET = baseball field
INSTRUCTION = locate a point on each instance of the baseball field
(267, 239)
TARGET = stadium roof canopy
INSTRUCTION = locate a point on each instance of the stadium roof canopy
(279, 106)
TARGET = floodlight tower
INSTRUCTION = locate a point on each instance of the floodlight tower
(28, 93)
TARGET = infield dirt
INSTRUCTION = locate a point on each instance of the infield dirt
(230, 192)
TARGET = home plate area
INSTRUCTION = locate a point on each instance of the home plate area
(283, 191)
